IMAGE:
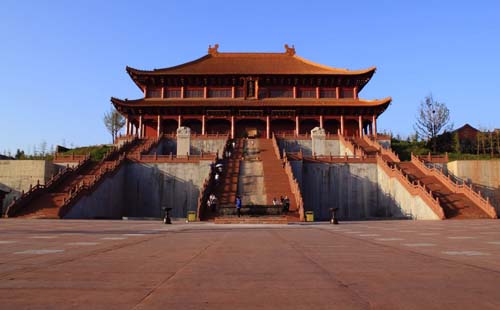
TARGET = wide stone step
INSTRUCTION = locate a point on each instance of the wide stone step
(251, 220)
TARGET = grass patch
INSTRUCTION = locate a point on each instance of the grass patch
(97, 152)
(405, 148)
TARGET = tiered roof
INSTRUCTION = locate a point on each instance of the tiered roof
(257, 64)
(232, 65)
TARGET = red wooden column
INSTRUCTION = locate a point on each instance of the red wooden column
(342, 124)
(374, 125)
(127, 125)
(232, 127)
(140, 126)
(268, 127)
(360, 125)
(158, 126)
(179, 121)
(297, 128)
(203, 125)
(321, 121)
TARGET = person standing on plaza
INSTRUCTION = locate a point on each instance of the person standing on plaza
(238, 206)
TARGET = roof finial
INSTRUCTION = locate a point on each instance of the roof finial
(213, 50)
(290, 51)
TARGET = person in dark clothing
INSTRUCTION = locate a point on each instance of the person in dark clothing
(286, 204)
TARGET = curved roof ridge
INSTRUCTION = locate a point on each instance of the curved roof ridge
(251, 63)
(130, 69)
(312, 63)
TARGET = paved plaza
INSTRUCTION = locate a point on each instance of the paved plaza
(64, 264)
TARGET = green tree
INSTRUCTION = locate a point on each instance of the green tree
(20, 154)
(432, 118)
(457, 147)
(113, 121)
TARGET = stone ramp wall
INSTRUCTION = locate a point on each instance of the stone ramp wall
(359, 191)
(150, 187)
(350, 187)
(484, 175)
(17, 175)
(395, 201)
(106, 201)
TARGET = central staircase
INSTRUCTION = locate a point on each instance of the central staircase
(257, 175)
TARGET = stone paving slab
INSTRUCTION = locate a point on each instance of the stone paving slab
(69, 264)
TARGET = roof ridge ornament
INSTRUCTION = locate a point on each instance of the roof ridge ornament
(213, 50)
(290, 51)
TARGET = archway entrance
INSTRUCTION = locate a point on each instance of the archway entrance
(220, 126)
(252, 128)
(279, 126)
(351, 128)
(331, 126)
(193, 124)
(169, 126)
(307, 125)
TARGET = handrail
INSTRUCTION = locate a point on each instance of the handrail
(208, 184)
(85, 187)
(108, 166)
(155, 158)
(435, 158)
(293, 134)
(35, 191)
(468, 191)
(294, 186)
(414, 188)
(387, 152)
(275, 146)
(61, 157)
(351, 147)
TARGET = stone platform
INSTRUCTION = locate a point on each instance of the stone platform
(66, 264)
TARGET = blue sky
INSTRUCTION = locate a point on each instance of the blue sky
(61, 61)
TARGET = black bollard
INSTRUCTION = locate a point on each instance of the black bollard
(333, 216)
(167, 219)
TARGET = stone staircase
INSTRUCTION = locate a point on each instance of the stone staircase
(228, 188)
(56, 200)
(456, 201)
(455, 205)
(276, 180)
(253, 172)
(251, 180)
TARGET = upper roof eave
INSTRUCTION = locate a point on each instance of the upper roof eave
(250, 63)
(242, 102)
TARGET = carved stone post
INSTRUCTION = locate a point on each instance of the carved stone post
(183, 141)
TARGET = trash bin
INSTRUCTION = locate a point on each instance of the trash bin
(309, 216)
(191, 216)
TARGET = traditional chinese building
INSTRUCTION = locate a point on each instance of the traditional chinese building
(251, 94)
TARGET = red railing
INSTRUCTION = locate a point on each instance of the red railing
(85, 188)
(414, 188)
(355, 151)
(294, 185)
(437, 159)
(35, 191)
(208, 184)
(60, 157)
(155, 158)
(383, 151)
(468, 191)
(108, 167)
(295, 188)
(306, 136)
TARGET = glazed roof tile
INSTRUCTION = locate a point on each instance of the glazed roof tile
(251, 63)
